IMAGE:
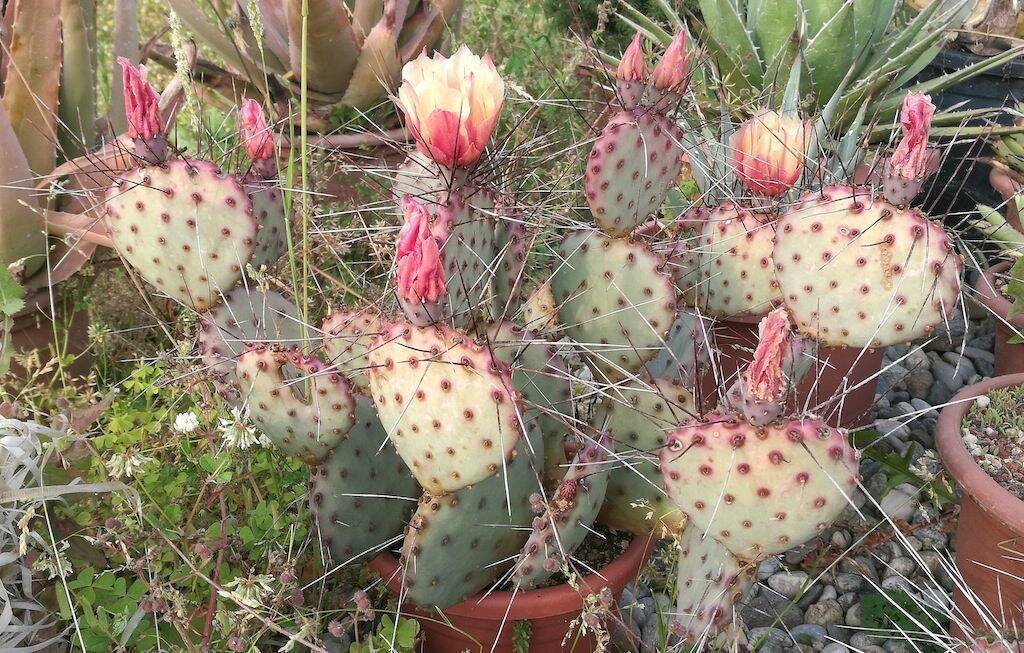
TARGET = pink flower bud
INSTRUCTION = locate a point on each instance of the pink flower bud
(451, 105)
(256, 135)
(633, 65)
(420, 274)
(672, 71)
(763, 377)
(768, 152)
(335, 628)
(910, 159)
(141, 103)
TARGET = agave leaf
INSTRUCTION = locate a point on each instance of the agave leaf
(246, 38)
(218, 39)
(928, 20)
(424, 27)
(331, 51)
(78, 82)
(723, 22)
(776, 22)
(785, 61)
(378, 68)
(868, 25)
(829, 52)
(275, 28)
(21, 231)
(732, 78)
(791, 96)
(641, 22)
(126, 44)
(366, 14)
(850, 151)
(33, 81)
(670, 13)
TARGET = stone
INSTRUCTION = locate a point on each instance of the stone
(828, 593)
(649, 636)
(835, 647)
(860, 565)
(767, 635)
(930, 560)
(952, 376)
(848, 582)
(932, 537)
(824, 613)
(847, 600)
(898, 584)
(810, 595)
(839, 633)
(891, 428)
(768, 608)
(936, 599)
(894, 646)
(950, 334)
(853, 616)
(890, 377)
(862, 641)
(841, 540)
(787, 583)
(902, 566)
(899, 502)
(939, 394)
(767, 568)
(808, 633)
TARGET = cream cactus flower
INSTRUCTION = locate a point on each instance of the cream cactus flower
(451, 105)
(768, 152)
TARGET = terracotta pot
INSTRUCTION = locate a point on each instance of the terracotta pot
(1009, 357)
(34, 331)
(990, 533)
(484, 623)
(825, 385)
(1007, 189)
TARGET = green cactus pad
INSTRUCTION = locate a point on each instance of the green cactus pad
(362, 495)
(569, 516)
(539, 312)
(247, 316)
(510, 251)
(268, 206)
(347, 337)
(857, 271)
(543, 380)
(710, 583)
(308, 427)
(735, 264)
(424, 180)
(686, 349)
(614, 299)
(186, 227)
(455, 544)
(639, 419)
(632, 166)
(447, 403)
(759, 491)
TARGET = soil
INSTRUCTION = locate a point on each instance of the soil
(993, 432)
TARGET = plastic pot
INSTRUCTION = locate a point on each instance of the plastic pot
(990, 533)
(484, 623)
(1009, 357)
(836, 386)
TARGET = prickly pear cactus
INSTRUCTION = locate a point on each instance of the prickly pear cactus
(247, 316)
(631, 168)
(539, 312)
(448, 405)
(348, 335)
(185, 226)
(467, 254)
(710, 582)
(511, 248)
(362, 494)
(857, 271)
(614, 298)
(567, 518)
(268, 207)
(737, 275)
(759, 491)
(306, 414)
(639, 419)
(685, 351)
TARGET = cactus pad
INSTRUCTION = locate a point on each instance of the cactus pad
(857, 271)
(308, 427)
(186, 227)
(448, 405)
(686, 349)
(247, 316)
(510, 251)
(639, 419)
(568, 518)
(539, 312)
(362, 495)
(631, 168)
(759, 491)
(614, 299)
(347, 338)
(268, 206)
(710, 582)
(735, 264)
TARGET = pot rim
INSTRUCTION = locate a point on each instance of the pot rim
(971, 478)
(531, 604)
(994, 300)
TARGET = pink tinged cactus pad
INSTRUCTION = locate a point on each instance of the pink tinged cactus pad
(686, 349)
(295, 402)
(615, 299)
(854, 270)
(631, 168)
(447, 403)
(710, 582)
(185, 226)
(759, 491)
(268, 207)
(362, 495)
(638, 418)
(736, 275)
(568, 516)
(348, 335)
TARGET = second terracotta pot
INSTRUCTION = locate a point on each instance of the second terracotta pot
(840, 386)
(1009, 357)
(484, 623)
(990, 532)
(1007, 189)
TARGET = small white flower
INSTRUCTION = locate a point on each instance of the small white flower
(237, 433)
(249, 591)
(186, 422)
(127, 464)
(983, 401)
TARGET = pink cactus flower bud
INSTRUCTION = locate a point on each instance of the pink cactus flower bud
(910, 159)
(633, 65)
(256, 135)
(768, 152)
(419, 274)
(141, 103)
(451, 105)
(763, 376)
(672, 71)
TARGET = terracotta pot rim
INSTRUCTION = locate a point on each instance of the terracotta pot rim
(971, 478)
(992, 299)
(532, 604)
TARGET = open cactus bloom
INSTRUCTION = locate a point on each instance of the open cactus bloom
(769, 150)
(451, 105)
(257, 138)
(142, 109)
(419, 275)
